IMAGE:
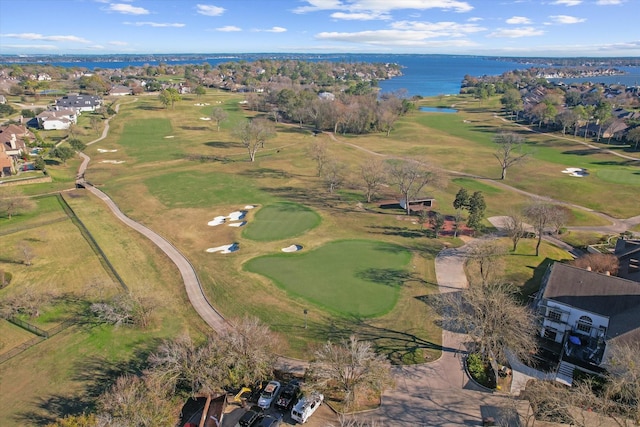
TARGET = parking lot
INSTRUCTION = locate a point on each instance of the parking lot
(323, 417)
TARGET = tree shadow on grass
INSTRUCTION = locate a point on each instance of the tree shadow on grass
(393, 277)
(222, 144)
(266, 173)
(395, 231)
(98, 375)
(584, 152)
(399, 346)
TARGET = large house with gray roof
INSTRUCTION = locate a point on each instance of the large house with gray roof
(79, 103)
(583, 314)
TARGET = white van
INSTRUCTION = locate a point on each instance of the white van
(306, 406)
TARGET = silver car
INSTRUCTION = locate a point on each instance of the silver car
(269, 394)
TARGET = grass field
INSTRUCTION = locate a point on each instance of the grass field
(280, 221)
(349, 278)
(363, 270)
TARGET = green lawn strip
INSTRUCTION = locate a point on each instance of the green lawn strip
(581, 239)
(47, 209)
(525, 270)
(145, 140)
(349, 278)
(280, 221)
(199, 189)
(623, 175)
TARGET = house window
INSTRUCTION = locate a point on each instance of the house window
(554, 316)
(584, 324)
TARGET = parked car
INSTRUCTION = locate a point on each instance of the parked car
(249, 418)
(270, 421)
(269, 394)
(306, 406)
(289, 395)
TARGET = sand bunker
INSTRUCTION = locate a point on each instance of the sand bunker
(205, 118)
(217, 221)
(237, 224)
(200, 104)
(169, 136)
(102, 150)
(577, 172)
(225, 249)
(237, 215)
(115, 162)
(292, 248)
(249, 207)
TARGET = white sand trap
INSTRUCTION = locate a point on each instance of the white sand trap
(102, 150)
(217, 221)
(169, 136)
(292, 248)
(249, 207)
(237, 224)
(205, 118)
(236, 215)
(224, 249)
(576, 172)
(115, 162)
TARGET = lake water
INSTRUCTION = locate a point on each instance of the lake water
(437, 110)
(424, 75)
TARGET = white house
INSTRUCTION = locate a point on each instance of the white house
(57, 119)
(585, 313)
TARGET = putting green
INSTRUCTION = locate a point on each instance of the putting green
(359, 278)
(281, 221)
(629, 176)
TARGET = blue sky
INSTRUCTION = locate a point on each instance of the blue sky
(477, 27)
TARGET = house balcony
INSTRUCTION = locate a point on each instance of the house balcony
(584, 351)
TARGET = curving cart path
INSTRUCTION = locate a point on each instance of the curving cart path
(192, 284)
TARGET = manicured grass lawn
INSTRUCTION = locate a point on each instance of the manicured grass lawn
(281, 221)
(624, 175)
(195, 189)
(351, 278)
(144, 140)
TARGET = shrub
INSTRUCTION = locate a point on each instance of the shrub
(477, 368)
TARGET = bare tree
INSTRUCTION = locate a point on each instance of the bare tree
(509, 151)
(514, 226)
(373, 176)
(623, 384)
(13, 201)
(541, 215)
(219, 116)
(601, 263)
(319, 154)
(334, 174)
(411, 177)
(486, 262)
(182, 365)
(29, 301)
(495, 321)
(352, 367)
(124, 309)
(27, 252)
(251, 348)
(136, 401)
(253, 134)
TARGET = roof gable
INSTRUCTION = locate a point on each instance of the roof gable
(590, 291)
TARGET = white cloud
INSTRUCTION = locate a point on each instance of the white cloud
(382, 6)
(566, 19)
(31, 46)
(609, 2)
(518, 20)
(229, 29)
(438, 29)
(475, 19)
(36, 36)
(361, 16)
(118, 43)
(390, 38)
(154, 24)
(127, 9)
(516, 32)
(276, 30)
(567, 2)
(210, 10)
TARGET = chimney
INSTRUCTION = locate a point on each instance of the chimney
(13, 141)
(607, 273)
(588, 268)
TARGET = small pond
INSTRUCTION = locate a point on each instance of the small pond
(437, 110)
